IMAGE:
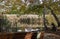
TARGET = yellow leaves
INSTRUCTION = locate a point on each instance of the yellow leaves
(55, 9)
(51, 19)
(54, 6)
(57, 12)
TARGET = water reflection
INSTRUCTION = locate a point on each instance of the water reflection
(26, 23)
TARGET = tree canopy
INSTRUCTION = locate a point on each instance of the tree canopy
(28, 6)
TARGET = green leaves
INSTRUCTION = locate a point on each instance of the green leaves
(31, 8)
(35, 9)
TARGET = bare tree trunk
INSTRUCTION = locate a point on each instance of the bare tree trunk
(44, 20)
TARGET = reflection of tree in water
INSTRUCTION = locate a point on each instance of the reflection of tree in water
(4, 24)
(25, 21)
(28, 20)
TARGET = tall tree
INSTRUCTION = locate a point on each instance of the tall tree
(48, 4)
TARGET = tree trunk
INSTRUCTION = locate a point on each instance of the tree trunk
(44, 20)
(55, 16)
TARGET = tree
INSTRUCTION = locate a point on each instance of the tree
(50, 4)
(54, 16)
